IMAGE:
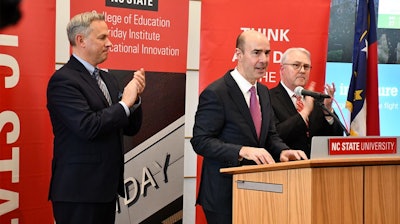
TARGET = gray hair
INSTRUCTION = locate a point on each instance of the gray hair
(288, 51)
(80, 24)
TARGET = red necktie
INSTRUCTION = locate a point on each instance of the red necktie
(255, 110)
(299, 103)
(300, 107)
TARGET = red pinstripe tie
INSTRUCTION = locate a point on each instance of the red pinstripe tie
(299, 103)
(300, 107)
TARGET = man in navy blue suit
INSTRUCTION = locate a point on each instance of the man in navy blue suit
(89, 113)
(224, 132)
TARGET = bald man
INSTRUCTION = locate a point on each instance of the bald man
(226, 135)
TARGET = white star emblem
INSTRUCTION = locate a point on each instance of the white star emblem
(365, 49)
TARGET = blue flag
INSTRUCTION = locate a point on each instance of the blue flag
(362, 98)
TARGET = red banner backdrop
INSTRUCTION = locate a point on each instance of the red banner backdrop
(27, 59)
(287, 23)
(154, 36)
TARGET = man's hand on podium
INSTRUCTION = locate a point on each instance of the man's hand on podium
(290, 154)
(258, 155)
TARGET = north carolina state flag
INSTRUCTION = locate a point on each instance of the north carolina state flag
(362, 98)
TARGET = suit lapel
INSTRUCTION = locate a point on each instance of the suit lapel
(284, 99)
(87, 77)
(238, 98)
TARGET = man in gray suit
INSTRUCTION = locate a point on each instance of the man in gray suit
(89, 114)
(225, 134)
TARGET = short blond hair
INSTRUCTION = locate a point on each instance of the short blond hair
(80, 24)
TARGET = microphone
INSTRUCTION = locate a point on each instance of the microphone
(301, 91)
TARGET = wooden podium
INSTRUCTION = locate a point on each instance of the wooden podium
(345, 190)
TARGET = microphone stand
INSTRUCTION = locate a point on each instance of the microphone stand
(322, 105)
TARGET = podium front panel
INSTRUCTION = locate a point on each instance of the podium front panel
(260, 206)
(382, 194)
(329, 191)
(337, 195)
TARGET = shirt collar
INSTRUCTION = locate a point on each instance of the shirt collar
(289, 91)
(87, 65)
(243, 84)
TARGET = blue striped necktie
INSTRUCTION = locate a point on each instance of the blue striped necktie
(102, 85)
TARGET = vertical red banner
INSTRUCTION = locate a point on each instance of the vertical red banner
(27, 59)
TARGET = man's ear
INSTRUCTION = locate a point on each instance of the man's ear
(80, 40)
(238, 53)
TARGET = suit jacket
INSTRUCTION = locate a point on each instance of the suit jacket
(291, 126)
(223, 124)
(87, 161)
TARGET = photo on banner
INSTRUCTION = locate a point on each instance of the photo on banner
(150, 35)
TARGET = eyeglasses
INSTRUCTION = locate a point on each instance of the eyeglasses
(298, 67)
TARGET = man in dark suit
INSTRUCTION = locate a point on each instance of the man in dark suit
(296, 126)
(224, 132)
(88, 165)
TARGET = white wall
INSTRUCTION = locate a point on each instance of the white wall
(190, 158)
(192, 74)
(192, 89)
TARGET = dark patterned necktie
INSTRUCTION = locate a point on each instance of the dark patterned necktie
(102, 85)
(255, 110)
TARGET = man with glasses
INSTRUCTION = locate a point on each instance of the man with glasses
(298, 118)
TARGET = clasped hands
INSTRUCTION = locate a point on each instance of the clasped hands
(309, 101)
(134, 88)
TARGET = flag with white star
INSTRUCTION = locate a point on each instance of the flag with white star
(362, 98)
